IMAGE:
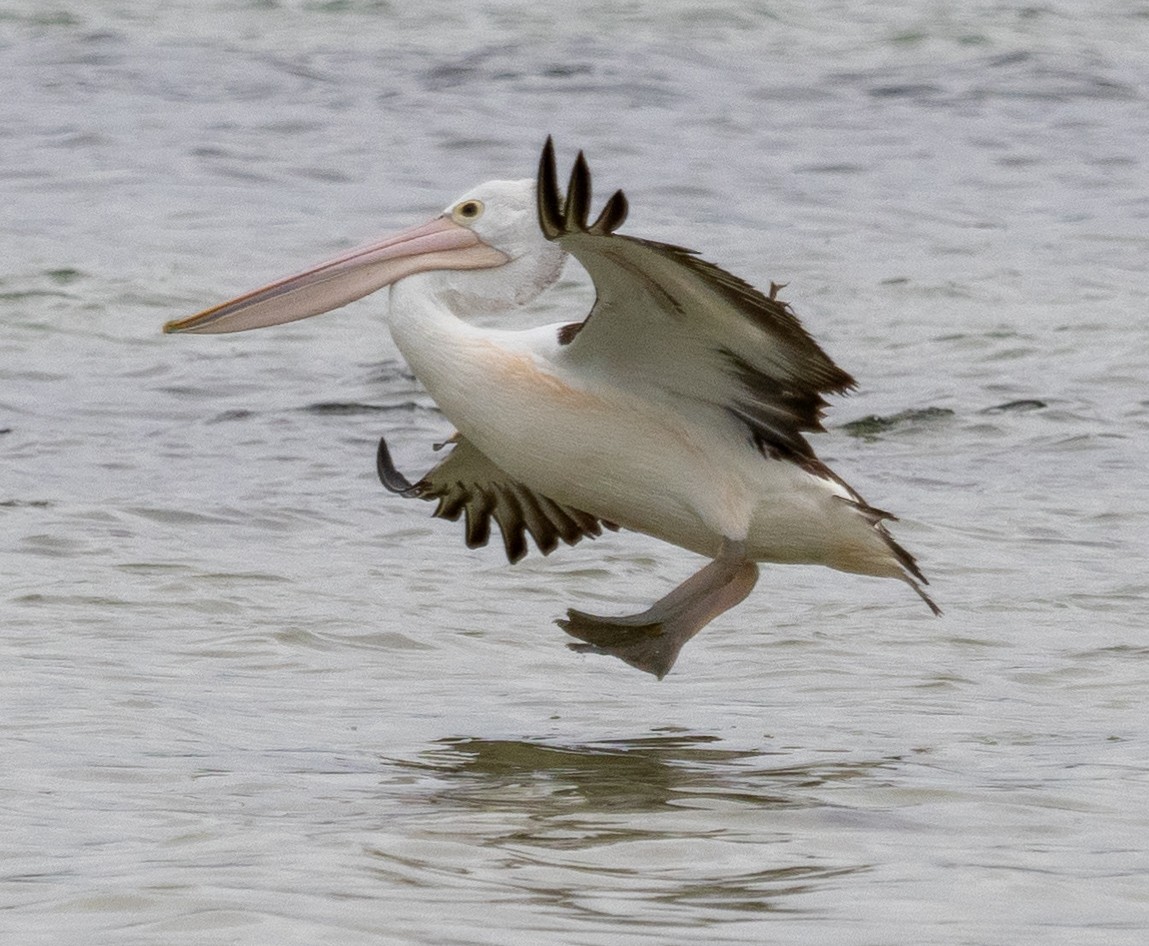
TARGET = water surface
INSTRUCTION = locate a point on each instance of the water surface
(250, 698)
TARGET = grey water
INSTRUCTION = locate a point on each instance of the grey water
(247, 697)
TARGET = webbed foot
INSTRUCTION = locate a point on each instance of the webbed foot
(651, 640)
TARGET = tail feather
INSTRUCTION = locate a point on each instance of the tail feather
(912, 574)
(912, 571)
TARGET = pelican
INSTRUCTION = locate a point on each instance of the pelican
(678, 407)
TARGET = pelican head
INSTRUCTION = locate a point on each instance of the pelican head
(485, 252)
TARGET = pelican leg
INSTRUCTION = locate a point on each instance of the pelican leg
(652, 639)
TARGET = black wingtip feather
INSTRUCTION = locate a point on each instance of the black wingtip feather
(547, 193)
(559, 215)
(391, 478)
(478, 520)
(577, 206)
(613, 215)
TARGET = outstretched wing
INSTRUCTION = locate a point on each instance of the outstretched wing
(468, 483)
(668, 320)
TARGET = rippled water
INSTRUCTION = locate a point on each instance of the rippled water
(250, 698)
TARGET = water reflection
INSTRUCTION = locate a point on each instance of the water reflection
(648, 774)
(676, 821)
(639, 775)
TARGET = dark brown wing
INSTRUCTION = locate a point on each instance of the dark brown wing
(468, 483)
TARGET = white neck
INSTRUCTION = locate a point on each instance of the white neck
(479, 377)
(450, 356)
(426, 329)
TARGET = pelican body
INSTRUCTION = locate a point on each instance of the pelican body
(677, 407)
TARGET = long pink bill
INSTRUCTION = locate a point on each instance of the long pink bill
(440, 244)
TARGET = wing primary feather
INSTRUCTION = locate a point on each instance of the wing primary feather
(478, 519)
(565, 525)
(538, 524)
(391, 478)
(547, 193)
(509, 515)
(612, 217)
(577, 206)
(451, 504)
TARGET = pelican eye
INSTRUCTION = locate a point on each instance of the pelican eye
(468, 210)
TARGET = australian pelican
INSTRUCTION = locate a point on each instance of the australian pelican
(677, 407)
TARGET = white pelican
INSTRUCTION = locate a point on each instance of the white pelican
(677, 407)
